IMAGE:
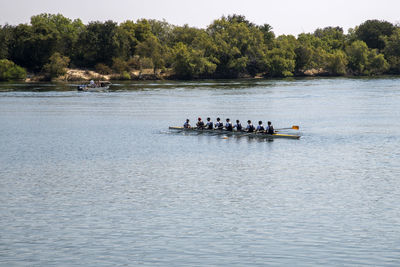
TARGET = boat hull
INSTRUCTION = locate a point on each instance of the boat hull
(93, 89)
(237, 133)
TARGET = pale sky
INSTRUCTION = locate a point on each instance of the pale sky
(285, 16)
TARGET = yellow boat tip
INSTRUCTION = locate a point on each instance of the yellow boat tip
(225, 137)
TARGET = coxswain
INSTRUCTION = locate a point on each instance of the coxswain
(209, 124)
(238, 126)
(200, 124)
(260, 127)
(228, 125)
(186, 125)
(270, 128)
(250, 127)
(219, 125)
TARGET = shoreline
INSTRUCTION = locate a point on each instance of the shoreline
(84, 76)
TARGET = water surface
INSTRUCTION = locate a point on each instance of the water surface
(97, 179)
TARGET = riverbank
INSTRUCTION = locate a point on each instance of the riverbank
(84, 75)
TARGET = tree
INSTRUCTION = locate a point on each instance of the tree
(6, 36)
(268, 34)
(377, 63)
(142, 30)
(336, 62)
(239, 47)
(161, 29)
(190, 63)
(281, 59)
(151, 48)
(331, 37)
(98, 43)
(126, 40)
(357, 54)
(365, 61)
(119, 65)
(10, 71)
(303, 57)
(392, 51)
(56, 66)
(372, 31)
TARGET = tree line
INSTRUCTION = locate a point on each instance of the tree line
(230, 47)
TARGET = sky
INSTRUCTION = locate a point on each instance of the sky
(285, 16)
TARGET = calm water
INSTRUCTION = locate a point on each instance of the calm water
(96, 179)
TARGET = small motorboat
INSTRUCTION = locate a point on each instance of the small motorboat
(92, 86)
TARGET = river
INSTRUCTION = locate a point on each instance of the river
(97, 179)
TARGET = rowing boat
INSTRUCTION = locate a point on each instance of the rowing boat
(236, 133)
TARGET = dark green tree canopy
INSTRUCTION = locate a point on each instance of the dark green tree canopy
(373, 31)
(230, 47)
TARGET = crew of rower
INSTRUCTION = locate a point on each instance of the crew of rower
(209, 125)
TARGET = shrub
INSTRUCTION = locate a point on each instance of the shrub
(134, 62)
(103, 69)
(57, 65)
(125, 76)
(10, 71)
(119, 65)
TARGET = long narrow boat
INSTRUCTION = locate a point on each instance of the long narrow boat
(237, 133)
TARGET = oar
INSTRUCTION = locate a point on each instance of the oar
(294, 127)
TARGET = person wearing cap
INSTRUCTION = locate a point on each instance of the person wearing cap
(238, 126)
(228, 125)
(209, 124)
(186, 125)
(200, 124)
(250, 128)
(270, 128)
(260, 127)
(219, 125)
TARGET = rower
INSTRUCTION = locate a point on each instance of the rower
(186, 125)
(260, 127)
(209, 124)
(238, 126)
(219, 125)
(250, 127)
(228, 125)
(200, 124)
(270, 128)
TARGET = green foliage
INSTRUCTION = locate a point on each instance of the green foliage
(103, 69)
(97, 43)
(239, 47)
(365, 61)
(357, 54)
(304, 55)
(125, 75)
(281, 59)
(119, 65)
(229, 47)
(10, 71)
(6, 37)
(377, 63)
(191, 63)
(56, 66)
(268, 34)
(335, 63)
(152, 48)
(392, 51)
(373, 31)
(332, 38)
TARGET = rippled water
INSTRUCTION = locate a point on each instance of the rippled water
(97, 179)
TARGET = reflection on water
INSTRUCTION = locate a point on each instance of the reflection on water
(98, 179)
